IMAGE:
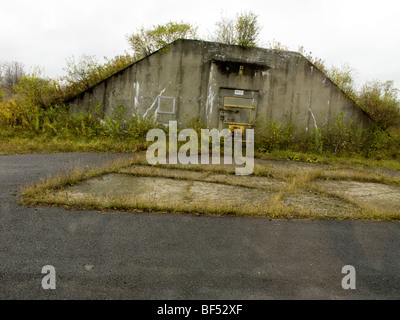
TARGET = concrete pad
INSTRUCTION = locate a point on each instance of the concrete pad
(378, 195)
(162, 191)
(216, 191)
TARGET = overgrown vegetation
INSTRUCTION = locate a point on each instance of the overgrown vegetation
(35, 118)
(339, 137)
(275, 191)
(147, 40)
(87, 71)
(244, 30)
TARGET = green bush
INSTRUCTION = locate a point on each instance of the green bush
(272, 135)
(338, 137)
(380, 101)
(58, 121)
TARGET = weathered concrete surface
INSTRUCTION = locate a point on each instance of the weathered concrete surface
(190, 78)
(173, 188)
(376, 195)
(161, 256)
(164, 192)
(159, 191)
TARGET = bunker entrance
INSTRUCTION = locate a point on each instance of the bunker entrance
(237, 109)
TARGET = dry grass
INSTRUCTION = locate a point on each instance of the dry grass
(357, 174)
(45, 144)
(278, 182)
(67, 179)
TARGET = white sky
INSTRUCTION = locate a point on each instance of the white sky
(46, 33)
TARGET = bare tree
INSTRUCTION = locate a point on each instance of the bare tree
(225, 31)
(12, 73)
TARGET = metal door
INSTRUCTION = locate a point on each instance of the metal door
(237, 109)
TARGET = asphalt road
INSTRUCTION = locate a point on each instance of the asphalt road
(162, 256)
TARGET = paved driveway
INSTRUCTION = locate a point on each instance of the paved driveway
(163, 256)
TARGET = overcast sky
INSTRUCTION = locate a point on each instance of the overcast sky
(46, 33)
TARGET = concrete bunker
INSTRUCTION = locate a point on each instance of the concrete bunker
(227, 86)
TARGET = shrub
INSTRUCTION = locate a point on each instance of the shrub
(344, 78)
(339, 137)
(35, 91)
(58, 121)
(121, 124)
(379, 100)
(271, 135)
(243, 31)
(147, 40)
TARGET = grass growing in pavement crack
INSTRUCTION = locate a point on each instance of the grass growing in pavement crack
(286, 190)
